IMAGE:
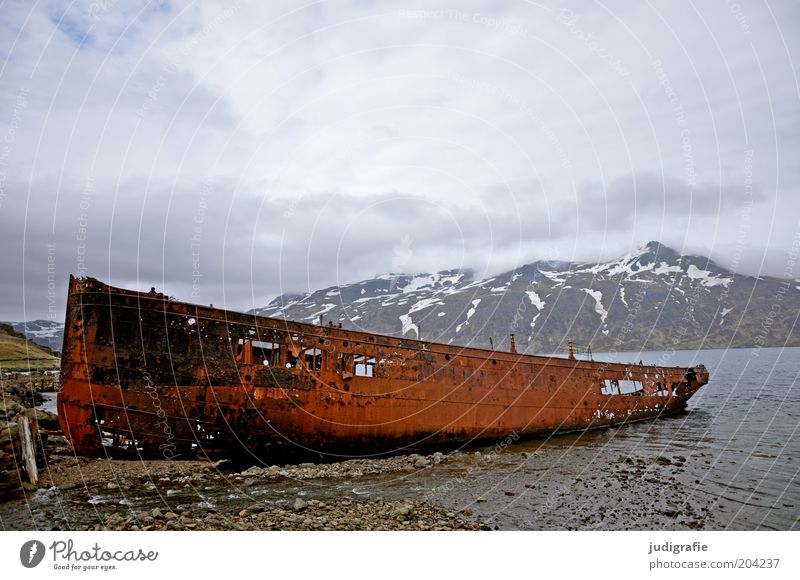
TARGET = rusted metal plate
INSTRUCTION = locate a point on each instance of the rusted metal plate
(159, 377)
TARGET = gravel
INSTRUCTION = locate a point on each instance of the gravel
(341, 515)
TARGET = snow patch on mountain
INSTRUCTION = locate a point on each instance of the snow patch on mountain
(664, 268)
(470, 312)
(598, 304)
(368, 298)
(425, 303)
(724, 312)
(43, 332)
(477, 284)
(631, 266)
(279, 307)
(634, 263)
(428, 281)
(325, 308)
(34, 330)
(557, 277)
(535, 299)
(408, 325)
(707, 278)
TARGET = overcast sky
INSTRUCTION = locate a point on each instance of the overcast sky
(281, 146)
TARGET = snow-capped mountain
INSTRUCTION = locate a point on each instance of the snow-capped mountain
(45, 332)
(652, 298)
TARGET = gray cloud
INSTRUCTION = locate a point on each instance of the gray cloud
(306, 147)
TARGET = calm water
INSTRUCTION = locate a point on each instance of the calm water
(734, 458)
(730, 462)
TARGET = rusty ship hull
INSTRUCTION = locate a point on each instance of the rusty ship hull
(145, 374)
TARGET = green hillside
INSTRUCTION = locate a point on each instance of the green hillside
(19, 354)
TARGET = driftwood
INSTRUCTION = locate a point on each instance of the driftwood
(28, 450)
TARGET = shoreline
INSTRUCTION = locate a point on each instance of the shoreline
(80, 493)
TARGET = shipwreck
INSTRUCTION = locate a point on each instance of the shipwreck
(145, 374)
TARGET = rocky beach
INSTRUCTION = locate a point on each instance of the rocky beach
(112, 494)
(20, 395)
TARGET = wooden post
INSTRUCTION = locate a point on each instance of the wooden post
(28, 450)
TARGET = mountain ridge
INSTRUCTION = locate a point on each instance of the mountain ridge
(650, 299)
(46, 333)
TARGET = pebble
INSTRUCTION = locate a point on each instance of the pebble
(343, 469)
(329, 515)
